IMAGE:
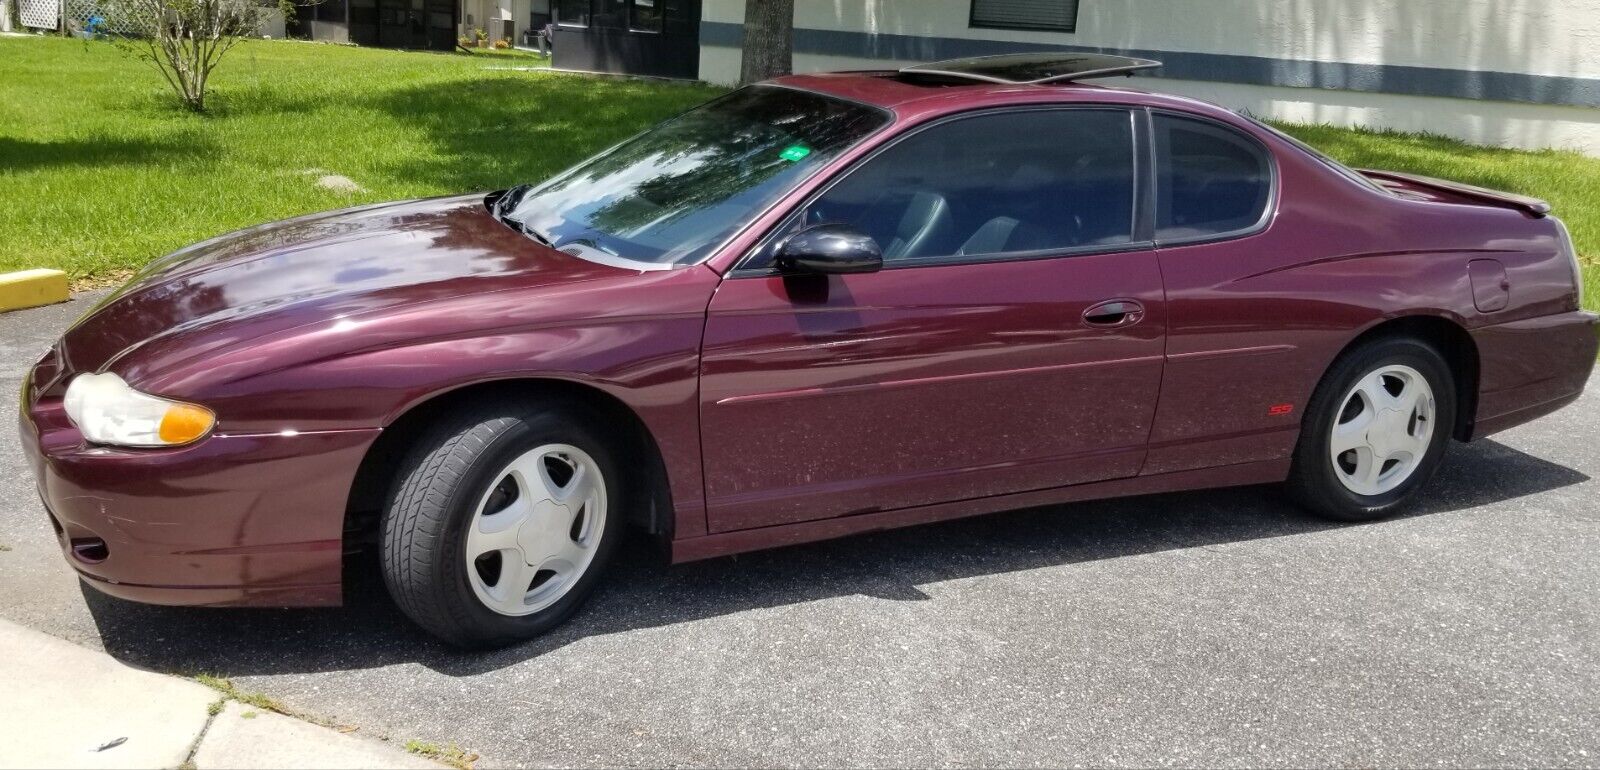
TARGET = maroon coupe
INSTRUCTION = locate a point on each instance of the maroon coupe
(816, 306)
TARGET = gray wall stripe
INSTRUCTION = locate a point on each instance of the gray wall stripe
(1222, 68)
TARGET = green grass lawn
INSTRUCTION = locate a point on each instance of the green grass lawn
(101, 171)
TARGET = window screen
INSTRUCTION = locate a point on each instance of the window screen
(1210, 180)
(1059, 15)
(995, 184)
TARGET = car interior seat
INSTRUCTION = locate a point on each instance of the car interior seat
(991, 237)
(926, 217)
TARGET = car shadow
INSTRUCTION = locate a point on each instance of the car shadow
(644, 592)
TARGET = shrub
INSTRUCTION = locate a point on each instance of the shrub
(186, 39)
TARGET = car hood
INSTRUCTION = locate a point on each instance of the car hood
(264, 280)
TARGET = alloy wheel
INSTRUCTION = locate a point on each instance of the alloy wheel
(1384, 427)
(536, 529)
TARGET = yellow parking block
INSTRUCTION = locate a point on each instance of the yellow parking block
(32, 288)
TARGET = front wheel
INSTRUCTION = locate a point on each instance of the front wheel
(1375, 430)
(500, 524)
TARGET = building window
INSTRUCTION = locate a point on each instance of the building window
(646, 16)
(574, 13)
(330, 10)
(670, 16)
(1052, 15)
(682, 17)
(610, 13)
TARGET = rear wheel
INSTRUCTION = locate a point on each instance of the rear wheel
(500, 524)
(1375, 430)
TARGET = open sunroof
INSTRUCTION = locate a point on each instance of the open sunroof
(1031, 68)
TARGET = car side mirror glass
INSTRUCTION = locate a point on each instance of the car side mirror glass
(829, 249)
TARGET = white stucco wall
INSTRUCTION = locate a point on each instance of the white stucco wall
(1558, 38)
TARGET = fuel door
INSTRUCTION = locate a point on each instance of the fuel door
(1491, 290)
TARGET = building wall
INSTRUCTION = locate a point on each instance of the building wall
(475, 14)
(514, 11)
(329, 31)
(1521, 73)
(272, 25)
(491, 15)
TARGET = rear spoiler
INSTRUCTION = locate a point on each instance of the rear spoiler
(1525, 203)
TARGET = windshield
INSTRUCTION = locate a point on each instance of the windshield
(673, 193)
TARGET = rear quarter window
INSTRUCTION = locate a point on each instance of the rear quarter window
(1211, 180)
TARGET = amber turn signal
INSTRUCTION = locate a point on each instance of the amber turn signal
(184, 423)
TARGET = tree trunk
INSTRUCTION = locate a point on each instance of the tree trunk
(768, 39)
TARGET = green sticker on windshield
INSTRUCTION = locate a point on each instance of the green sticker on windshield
(794, 153)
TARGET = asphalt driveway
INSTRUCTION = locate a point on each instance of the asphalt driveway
(1216, 628)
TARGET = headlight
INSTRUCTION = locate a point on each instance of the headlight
(107, 411)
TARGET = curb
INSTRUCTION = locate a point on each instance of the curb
(242, 737)
(71, 707)
(32, 288)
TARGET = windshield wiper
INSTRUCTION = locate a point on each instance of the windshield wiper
(532, 233)
(509, 199)
(508, 202)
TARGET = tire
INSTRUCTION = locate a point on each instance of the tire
(476, 466)
(1360, 483)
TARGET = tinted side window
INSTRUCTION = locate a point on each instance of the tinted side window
(991, 184)
(1209, 179)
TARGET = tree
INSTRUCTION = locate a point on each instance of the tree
(186, 39)
(768, 39)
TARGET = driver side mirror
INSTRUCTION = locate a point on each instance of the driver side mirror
(829, 249)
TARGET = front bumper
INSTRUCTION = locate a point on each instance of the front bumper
(231, 520)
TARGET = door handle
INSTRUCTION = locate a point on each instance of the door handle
(1113, 313)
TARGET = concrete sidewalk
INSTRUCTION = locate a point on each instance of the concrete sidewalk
(63, 706)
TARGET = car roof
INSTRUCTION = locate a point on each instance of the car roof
(913, 99)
